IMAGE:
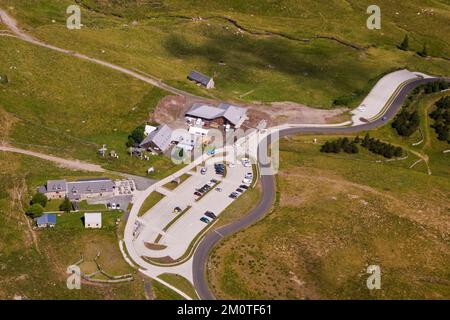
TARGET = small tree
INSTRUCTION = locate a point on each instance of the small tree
(138, 134)
(405, 44)
(424, 52)
(35, 210)
(66, 205)
(4, 79)
(39, 198)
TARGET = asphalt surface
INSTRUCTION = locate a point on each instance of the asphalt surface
(268, 192)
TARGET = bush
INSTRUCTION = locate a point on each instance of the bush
(341, 144)
(376, 146)
(406, 123)
(4, 79)
(35, 210)
(137, 136)
(66, 205)
(39, 198)
(441, 117)
(405, 44)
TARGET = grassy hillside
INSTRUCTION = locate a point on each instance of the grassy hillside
(68, 107)
(33, 263)
(307, 52)
(337, 214)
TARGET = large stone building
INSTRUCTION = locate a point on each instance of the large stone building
(78, 190)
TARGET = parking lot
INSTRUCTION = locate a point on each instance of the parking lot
(214, 198)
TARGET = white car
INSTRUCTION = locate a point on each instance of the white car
(246, 162)
(247, 181)
(203, 171)
(113, 206)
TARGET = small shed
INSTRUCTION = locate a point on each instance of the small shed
(93, 220)
(201, 79)
(46, 220)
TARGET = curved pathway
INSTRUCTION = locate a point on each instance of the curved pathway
(268, 191)
(11, 23)
(70, 164)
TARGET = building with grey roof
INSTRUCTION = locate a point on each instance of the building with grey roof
(201, 79)
(54, 189)
(224, 114)
(90, 188)
(78, 190)
(159, 140)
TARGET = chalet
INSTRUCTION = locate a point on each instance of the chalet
(93, 220)
(46, 220)
(158, 140)
(223, 115)
(201, 79)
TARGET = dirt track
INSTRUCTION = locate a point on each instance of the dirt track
(69, 164)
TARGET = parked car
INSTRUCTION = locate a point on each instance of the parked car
(214, 181)
(247, 181)
(117, 206)
(246, 162)
(234, 195)
(243, 186)
(219, 189)
(384, 119)
(204, 219)
(210, 214)
(239, 190)
(198, 194)
(203, 171)
(177, 210)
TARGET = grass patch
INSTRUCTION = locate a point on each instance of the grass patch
(173, 185)
(37, 269)
(151, 200)
(180, 283)
(163, 293)
(336, 215)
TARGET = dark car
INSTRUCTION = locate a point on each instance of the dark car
(204, 219)
(243, 186)
(239, 190)
(213, 181)
(234, 195)
(177, 210)
(198, 194)
(210, 214)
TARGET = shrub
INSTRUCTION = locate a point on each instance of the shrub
(66, 205)
(405, 44)
(39, 198)
(4, 79)
(35, 210)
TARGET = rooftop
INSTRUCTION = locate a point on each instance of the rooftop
(199, 77)
(47, 218)
(93, 218)
(230, 112)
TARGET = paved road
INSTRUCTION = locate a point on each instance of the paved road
(268, 193)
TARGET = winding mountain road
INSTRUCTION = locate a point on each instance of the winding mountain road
(268, 191)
